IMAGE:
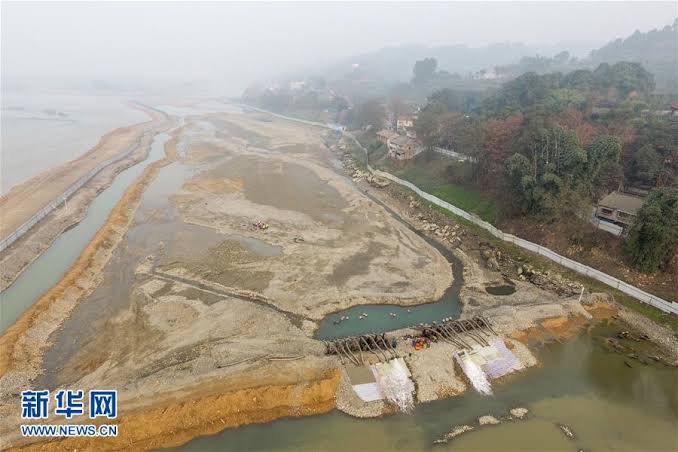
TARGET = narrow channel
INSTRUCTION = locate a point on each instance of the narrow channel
(52, 264)
(377, 318)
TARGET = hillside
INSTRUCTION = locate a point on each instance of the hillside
(395, 63)
(656, 50)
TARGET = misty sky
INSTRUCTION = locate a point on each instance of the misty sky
(236, 42)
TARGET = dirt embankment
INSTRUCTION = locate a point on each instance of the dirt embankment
(23, 343)
(211, 408)
(597, 249)
(24, 200)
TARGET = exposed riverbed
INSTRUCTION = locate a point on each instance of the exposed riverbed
(247, 243)
(367, 319)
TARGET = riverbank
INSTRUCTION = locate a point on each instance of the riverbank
(22, 201)
(220, 283)
(173, 419)
(504, 262)
(22, 345)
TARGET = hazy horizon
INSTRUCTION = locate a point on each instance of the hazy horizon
(232, 44)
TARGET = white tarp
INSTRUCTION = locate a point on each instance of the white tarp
(481, 363)
(368, 392)
(505, 363)
(364, 383)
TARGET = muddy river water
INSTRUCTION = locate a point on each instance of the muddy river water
(580, 384)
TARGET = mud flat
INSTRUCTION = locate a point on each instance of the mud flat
(208, 294)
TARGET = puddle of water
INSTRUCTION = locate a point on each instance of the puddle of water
(50, 267)
(580, 384)
(505, 289)
(256, 246)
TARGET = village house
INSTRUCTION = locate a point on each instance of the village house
(403, 148)
(620, 208)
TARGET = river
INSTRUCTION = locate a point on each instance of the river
(43, 128)
(581, 384)
(50, 267)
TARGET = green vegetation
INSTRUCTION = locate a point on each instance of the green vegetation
(653, 240)
(549, 146)
(657, 50)
(429, 172)
(542, 264)
(470, 201)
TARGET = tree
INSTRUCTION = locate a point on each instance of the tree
(500, 135)
(603, 166)
(581, 79)
(647, 164)
(424, 70)
(653, 239)
(454, 100)
(624, 77)
(427, 128)
(371, 113)
(397, 106)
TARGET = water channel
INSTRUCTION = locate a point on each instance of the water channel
(49, 268)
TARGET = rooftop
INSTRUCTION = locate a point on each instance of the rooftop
(622, 201)
(403, 140)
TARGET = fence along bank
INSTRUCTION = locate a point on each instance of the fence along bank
(659, 303)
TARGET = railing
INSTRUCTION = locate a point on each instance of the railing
(455, 155)
(659, 303)
(607, 226)
(56, 202)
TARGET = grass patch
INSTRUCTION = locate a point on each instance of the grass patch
(467, 200)
(435, 182)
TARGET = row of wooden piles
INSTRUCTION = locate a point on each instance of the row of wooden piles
(461, 333)
(354, 349)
